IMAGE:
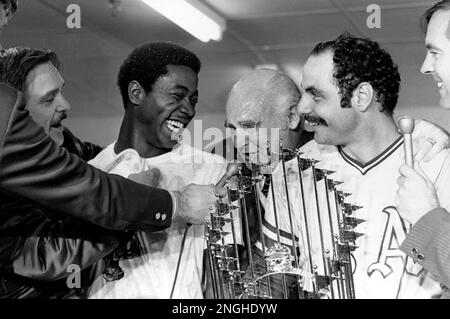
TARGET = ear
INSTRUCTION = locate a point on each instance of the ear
(362, 96)
(136, 92)
(294, 118)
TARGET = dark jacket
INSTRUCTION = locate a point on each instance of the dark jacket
(46, 198)
(34, 168)
(38, 251)
(84, 150)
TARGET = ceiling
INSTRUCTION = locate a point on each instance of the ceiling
(280, 32)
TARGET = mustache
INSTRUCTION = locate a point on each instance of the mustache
(313, 119)
(59, 117)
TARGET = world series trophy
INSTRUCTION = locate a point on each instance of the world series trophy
(321, 236)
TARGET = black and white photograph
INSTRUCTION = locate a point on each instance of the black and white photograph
(221, 156)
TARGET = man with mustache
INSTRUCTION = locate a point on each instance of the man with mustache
(350, 110)
(267, 100)
(36, 170)
(417, 198)
(35, 73)
(262, 102)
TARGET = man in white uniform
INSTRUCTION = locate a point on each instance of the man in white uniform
(158, 83)
(349, 108)
(152, 273)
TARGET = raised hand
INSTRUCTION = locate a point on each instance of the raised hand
(416, 194)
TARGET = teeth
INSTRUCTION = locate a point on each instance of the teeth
(440, 84)
(175, 123)
(174, 126)
(312, 123)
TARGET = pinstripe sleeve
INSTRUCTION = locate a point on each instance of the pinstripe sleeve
(428, 243)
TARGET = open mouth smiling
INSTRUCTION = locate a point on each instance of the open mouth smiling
(314, 120)
(174, 125)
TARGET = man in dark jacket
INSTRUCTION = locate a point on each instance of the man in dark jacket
(39, 246)
(36, 73)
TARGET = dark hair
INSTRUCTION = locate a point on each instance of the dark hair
(16, 63)
(13, 4)
(426, 17)
(358, 60)
(148, 62)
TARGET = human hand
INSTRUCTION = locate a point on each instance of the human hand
(416, 194)
(251, 147)
(195, 202)
(428, 140)
(151, 177)
(227, 180)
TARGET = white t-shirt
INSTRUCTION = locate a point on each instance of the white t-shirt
(151, 275)
(379, 264)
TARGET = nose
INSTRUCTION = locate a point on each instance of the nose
(188, 108)
(427, 65)
(241, 139)
(304, 106)
(63, 105)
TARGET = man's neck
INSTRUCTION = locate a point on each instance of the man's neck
(131, 135)
(372, 140)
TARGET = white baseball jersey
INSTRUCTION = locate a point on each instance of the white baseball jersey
(380, 269)
(151, 275)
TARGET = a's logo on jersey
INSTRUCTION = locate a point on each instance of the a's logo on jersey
(393, 236)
